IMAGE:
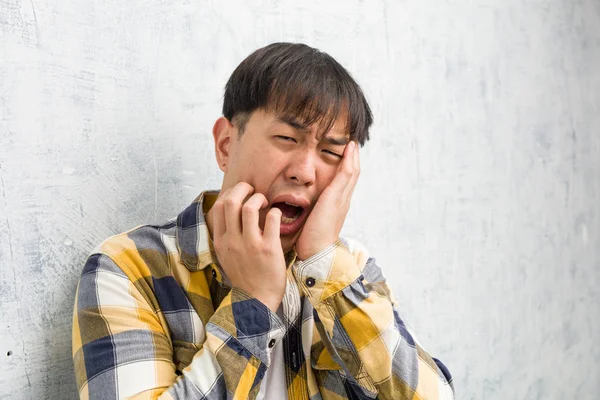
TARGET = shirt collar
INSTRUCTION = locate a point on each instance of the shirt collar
(192, 235)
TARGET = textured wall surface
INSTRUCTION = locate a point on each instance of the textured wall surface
(480, 192)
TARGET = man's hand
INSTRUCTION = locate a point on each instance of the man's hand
(325, 222)
(252, 259)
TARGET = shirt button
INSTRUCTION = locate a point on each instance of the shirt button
(310, 282)
(214, 273)
(272, 343)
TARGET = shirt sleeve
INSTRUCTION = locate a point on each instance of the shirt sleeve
(360, 326)
(122, 348)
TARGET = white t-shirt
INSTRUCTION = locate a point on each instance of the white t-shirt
(273, 386)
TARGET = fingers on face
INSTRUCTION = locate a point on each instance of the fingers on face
(349, 170)
(272, 224)
(232, 205)
(355, 167)
(250, 215)
(357, 159)
(219, 219)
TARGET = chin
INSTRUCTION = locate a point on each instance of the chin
(288, 244)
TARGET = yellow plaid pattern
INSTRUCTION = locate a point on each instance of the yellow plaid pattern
(154, 318)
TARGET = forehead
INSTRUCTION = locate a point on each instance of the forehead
(322, 128)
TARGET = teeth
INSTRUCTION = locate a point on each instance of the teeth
(289, 220)
(286, 220)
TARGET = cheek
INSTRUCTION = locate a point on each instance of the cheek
(325, 177)
(261, 169)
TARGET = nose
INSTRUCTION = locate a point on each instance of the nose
(301, 169)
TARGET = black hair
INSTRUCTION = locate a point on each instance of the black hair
(298, 82)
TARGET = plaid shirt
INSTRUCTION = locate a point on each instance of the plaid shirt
(154, 318)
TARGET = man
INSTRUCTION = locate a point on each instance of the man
(250, 292)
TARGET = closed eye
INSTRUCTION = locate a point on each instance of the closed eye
(286, 138)
(332, 153)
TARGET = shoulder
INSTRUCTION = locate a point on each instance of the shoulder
(356, 248)
(365, 261)
(140, 252)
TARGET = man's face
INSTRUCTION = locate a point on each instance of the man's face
(289, 163)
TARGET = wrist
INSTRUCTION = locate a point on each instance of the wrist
(271, 302)
(304, 253)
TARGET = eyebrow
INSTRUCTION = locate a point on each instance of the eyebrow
(303, 128)
(336, 141)
(293, 123)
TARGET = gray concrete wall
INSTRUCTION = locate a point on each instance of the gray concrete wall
(480, 192)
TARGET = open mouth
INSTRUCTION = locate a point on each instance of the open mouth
(293, 217)
(289, 212)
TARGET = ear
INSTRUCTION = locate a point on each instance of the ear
(222, 132)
